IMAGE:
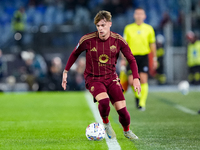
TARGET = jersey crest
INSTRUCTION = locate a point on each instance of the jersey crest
(113, 48)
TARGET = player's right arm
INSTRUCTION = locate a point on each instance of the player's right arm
(64, 79)
(72, 58)
(132, 62)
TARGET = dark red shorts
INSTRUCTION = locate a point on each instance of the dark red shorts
(111, 86)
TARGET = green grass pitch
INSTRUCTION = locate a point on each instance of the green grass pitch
(57, 121)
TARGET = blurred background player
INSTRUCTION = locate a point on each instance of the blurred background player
(2, 66)
(160, 76)
(18, 24)
(141, 39)
(193, 58)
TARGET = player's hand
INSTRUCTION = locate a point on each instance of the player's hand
(64, 80)
(155, 64)
(136, 85)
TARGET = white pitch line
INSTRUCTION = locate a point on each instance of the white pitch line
(184, 109)
(112, 143)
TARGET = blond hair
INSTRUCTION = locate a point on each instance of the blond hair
(102, 15)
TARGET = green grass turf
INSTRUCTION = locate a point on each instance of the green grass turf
(44, 121)
(162, 126)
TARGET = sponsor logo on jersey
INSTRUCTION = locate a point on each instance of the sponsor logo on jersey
(113, 48)
(93, 49)
(103, 58)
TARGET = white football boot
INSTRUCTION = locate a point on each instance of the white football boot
(130, 135)
(109, 130)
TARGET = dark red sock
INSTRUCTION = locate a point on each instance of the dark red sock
(105, 120)
(104, 109)
(126, 128)
(124, 118)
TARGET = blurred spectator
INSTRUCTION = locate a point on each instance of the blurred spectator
(55, 75)
(79, 73)
(83, 3)
(75, 77)
(2, 66)
(116, 8)
(196, 15)
(127, 4)
(193, 58)
(160, 76)
(70, 6)
(82, 15)
(104, 5)
(36, 70)
(18, 24)
(165, 19)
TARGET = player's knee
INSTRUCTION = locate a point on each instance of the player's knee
(104, 102)
(101, 96)
(124, 117)
(119, 104)
(124, 113)
(104, 107)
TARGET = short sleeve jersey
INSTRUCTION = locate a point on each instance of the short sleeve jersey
(101, 55)
(139, 37)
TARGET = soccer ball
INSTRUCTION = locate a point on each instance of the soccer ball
(183, 87)
(95, 132)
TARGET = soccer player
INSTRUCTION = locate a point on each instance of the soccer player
(102, 50)
(160, 76)
(141, 40)
(193, 58)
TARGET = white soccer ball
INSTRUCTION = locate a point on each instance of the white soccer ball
(183, 87)
(95, 132)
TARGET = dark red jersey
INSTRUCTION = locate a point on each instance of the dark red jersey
(101, 56)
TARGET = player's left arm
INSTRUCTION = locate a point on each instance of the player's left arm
(152, 45)
(132, 62)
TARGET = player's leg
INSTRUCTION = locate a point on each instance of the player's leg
(198, 67)
(118, 101)
(190, 76)
(124, 119)
(99, 92)
(144, 90)
(104, 107)
(141, 99)
(196, 75)
(143, 72)
(130, 78)
(137, 96)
